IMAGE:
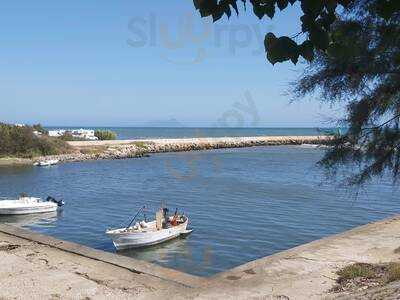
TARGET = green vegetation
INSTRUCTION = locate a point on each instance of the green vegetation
(393, 272)
(39, 128)
(354, 271)
(67, 136)
(140, 144)
(362, 276)
(317, 22)
(352, 51)
(93, 150)
(104, 135)
(20, 141)
(364, 73)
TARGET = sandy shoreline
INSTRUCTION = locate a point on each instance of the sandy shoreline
(121, 149)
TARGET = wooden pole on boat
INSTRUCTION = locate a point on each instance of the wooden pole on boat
(135, 217)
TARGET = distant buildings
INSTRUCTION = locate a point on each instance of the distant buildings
(82, 134)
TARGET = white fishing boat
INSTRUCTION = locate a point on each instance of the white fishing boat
(29, 205)
(46, 163)
(150, 233)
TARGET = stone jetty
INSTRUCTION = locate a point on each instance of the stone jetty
(121, 149)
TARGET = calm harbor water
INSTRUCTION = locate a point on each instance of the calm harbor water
(243, 203)
(126, 133)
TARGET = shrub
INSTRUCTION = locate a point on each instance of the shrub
(360, 276)
(16, 141)
(393, 272)
(93, 150)
(140, 144)
(39, 128)
(356, 270)
(105, 135)
(67, 136)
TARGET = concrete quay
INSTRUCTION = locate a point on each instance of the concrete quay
(42, 267)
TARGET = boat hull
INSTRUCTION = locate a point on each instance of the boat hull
(47, 163)
(27, 206)
(27, 210)
(129, 240)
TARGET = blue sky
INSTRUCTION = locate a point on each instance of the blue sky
(133, 63)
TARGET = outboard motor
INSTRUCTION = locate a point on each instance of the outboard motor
(59, 202)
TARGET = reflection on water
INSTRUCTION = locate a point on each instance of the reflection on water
(42, 219)
(161, 252)
(177, 251)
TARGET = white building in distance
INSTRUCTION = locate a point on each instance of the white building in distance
(82, 134)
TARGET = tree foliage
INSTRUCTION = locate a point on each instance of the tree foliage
(39, 128)
(316, 21)
(68, 137)
(103, 135)
(353, 53)
(20, 141)
(362, 69)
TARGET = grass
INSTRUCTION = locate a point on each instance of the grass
(139, 144)
(356, 270)
(14, 161)
(93, 150)
(393, 273)
(363, 275)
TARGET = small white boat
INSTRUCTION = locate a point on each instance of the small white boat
(309, 146)
(314, 146)
(46, 163)
(29, 205)
(149, 233)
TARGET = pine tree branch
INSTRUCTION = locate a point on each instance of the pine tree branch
(384, 123)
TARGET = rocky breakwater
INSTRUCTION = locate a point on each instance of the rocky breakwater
(98, 153)
(193, 144)
(121, 149)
